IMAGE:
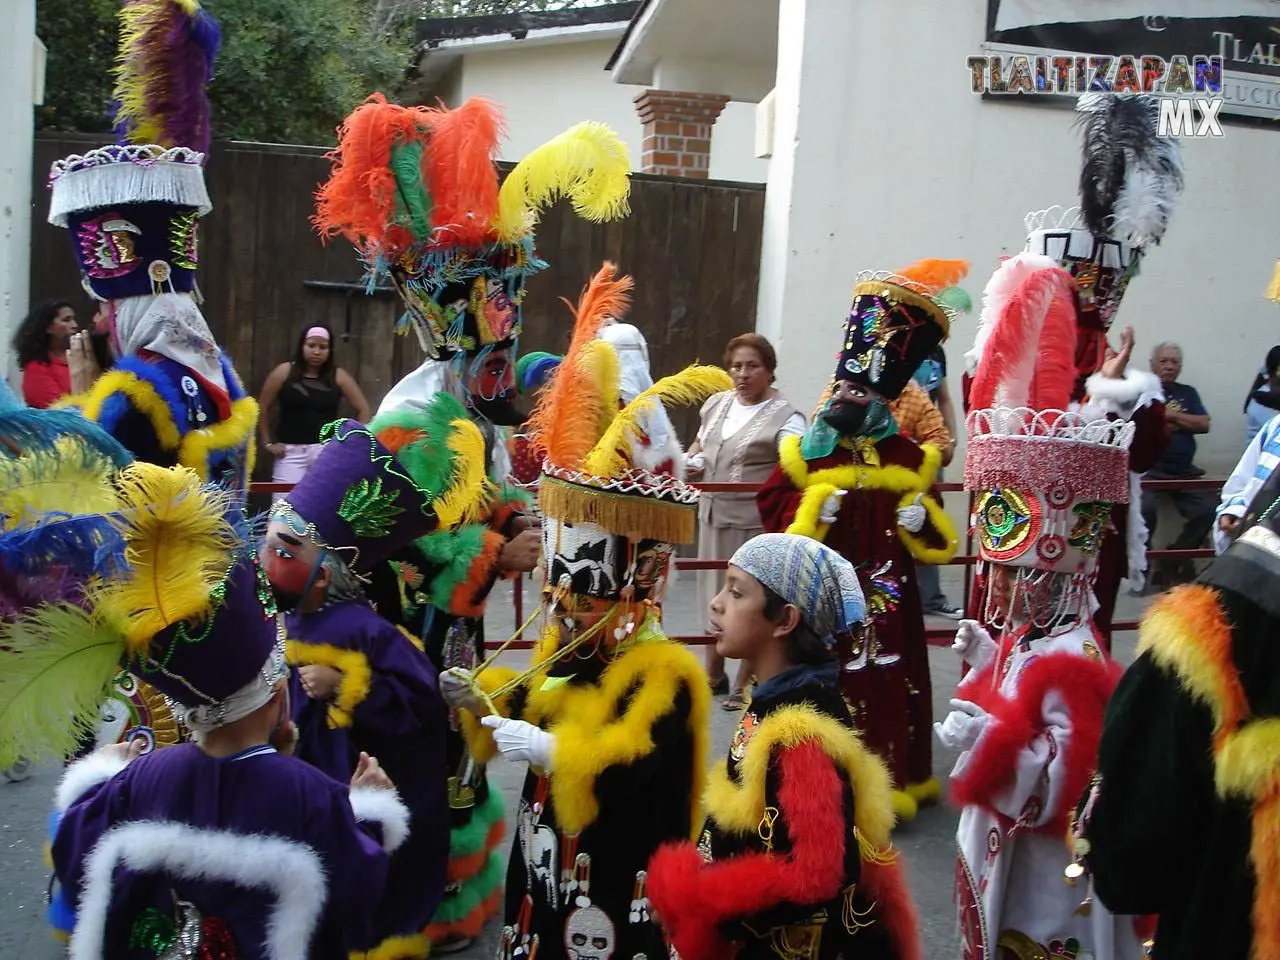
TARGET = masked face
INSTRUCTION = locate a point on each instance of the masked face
(855, 411)
(293, 565)
(491, 387)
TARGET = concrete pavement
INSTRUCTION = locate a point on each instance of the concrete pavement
(927, 844)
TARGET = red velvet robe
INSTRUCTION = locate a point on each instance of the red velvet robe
(886, 682)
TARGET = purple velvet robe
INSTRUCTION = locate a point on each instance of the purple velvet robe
(256, 843)
(400, 720)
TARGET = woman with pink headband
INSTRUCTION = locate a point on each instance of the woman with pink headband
(308, 390)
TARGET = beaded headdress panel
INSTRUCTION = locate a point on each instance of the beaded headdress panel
(416, 190)
(1044, 475)
(134, 208)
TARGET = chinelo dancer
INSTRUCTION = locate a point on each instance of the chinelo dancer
(225, 845)
(611, 716)
(1130, 182)
(795, 857)
(416, 190)
(853, 482)
(133, 210)
(1026, 718)
(360, 684)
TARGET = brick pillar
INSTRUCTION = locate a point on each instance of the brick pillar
(677, 131)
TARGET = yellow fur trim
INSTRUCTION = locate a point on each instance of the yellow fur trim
(808, 522)
(237, 429)
(479, 739)
(412, 946)
(352, 664)
(411, 638)
(936, 515)
(591, 735)
(1246, 765)
(140, 394)
(739, 808)
(930, 791)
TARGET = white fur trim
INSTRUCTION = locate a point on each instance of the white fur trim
(290, 872)
(1124, 397)
(103, 178)
(385, 808)
(84, 774)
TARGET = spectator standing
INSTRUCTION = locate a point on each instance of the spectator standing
(41, 345)
(1186, 417)
(308, 390)
(737, 443)
(1263, 401)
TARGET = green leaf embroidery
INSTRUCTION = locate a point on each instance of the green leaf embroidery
(370, 512)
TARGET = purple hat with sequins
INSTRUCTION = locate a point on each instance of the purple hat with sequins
(204, 662)
(358, 500)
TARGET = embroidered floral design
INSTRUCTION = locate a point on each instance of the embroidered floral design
(368, 510)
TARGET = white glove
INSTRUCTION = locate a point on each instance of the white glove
(831, 507)
(696, 463)
(517, 740)
(457, 687)
(963, 726)
(973, 644)
(911, 518)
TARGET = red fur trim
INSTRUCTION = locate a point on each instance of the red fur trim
(692, 898)
(1085, 685)
(467, 599)
(464, 868)
(471, 924)
(887, 885)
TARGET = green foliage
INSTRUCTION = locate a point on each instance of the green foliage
(289, 70)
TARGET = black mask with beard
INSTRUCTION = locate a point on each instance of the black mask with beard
(499, 410)
(846, 417)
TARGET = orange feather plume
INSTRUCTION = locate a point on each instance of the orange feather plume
(394, 437)
(460, 172)
(564, 425)
(935, 275)
(358, 200)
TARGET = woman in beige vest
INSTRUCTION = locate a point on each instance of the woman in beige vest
(737, 443)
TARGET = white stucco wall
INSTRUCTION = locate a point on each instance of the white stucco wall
(550, 87)
(17, 78)
(928, 169)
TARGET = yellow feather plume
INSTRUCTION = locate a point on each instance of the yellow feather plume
(1273, 289)
(179, 546)
(692, 385)
(468, 494)
(72, 478)
(599, 361)
(588, 163)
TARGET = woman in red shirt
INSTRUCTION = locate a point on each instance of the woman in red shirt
(41, 345)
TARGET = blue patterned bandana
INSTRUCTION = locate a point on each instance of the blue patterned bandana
(820, 582)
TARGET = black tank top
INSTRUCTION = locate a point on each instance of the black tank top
(306, 405)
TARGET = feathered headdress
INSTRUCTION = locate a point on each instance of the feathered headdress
(1131, 177)
(590, 474)
(416, 190)
(375, 488)
(189, 612)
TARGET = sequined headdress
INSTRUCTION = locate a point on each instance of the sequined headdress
(133, 208)
(1130, 180)
(416, 190)
(1044, 476)
(895, 322)
(610, 527)
(190, 613)
(375, 488)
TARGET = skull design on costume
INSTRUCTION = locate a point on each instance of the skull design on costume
(589, 934)
(541, 850)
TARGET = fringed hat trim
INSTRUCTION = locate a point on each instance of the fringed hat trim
(638, 505)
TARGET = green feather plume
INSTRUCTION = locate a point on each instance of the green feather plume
(956, 298)
(413, 201)
(52, 689)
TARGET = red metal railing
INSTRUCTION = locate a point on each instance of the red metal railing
(967, 559)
